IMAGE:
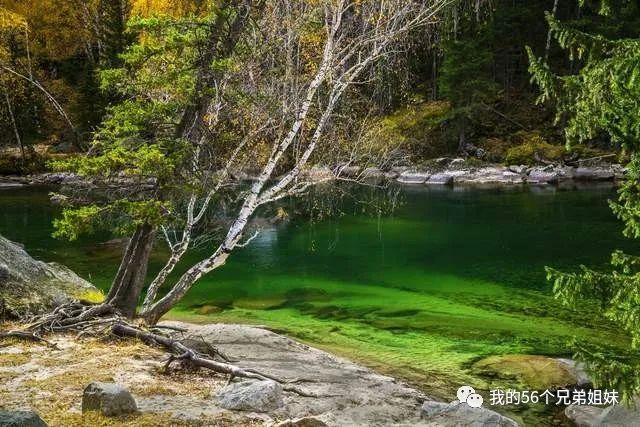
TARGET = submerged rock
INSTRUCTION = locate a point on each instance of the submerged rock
(529, 371)
(21, 419)
(30, 286)
(461, 414)
(110, 399)
(254, 396)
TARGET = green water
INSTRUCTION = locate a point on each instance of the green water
(450, 277)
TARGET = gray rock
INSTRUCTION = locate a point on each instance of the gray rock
(372, 175)
(412, 177)
(441, 179)
(10, 185)
(431, 408)
(511, 175)
(519, 169)
(457, 163)
(619, 416)
(21, 419)
(108, 398)
(29, 286)
(441, 161)
(612, 416)
(349, 171)
(619, 171)
(302, 422)
(391, 174)
(543, 176)
(254, 396)
(489, 175)
(595, 174)
(461, 414)
(583, 416)
(317, 174)
(577, 368)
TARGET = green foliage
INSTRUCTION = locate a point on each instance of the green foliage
(465, 74)
(603, 98)
(533, 145)
(138, 139)
(119, 217)
(411, 127)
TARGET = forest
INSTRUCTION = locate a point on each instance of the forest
(446, 192)
(465, 86)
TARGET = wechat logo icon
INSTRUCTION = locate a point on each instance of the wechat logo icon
(468, 395)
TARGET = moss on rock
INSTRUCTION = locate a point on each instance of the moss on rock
(526, 372)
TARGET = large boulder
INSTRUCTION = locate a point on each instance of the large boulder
(254, 396)
(29, 286)
(461, 414)
(110, 399)
(21, 419)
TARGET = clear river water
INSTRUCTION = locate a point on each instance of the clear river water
(451, 276)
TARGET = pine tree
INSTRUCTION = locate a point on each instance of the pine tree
(603, 97)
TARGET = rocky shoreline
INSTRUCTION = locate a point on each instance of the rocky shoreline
(454, 172)
(126, 387)
(437, 172)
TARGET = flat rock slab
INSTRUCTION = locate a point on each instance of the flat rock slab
(349, 395)
(21, 419)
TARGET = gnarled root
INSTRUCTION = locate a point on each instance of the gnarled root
(183, 353)
(103, 320)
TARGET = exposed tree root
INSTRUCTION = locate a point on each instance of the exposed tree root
(183, 353)
(103, 320)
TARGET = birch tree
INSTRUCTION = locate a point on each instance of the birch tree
(255, 86)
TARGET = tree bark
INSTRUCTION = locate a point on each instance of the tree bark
(129, 281)
(218, 46)
(15, 126)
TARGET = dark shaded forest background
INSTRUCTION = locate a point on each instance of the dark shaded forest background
(465, 91)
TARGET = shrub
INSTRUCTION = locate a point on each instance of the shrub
(532, 145)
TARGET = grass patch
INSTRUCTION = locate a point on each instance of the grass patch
(14, 359)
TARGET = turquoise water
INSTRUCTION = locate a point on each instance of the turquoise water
(451, 276)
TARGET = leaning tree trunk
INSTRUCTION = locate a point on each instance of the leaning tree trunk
(129, 281)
